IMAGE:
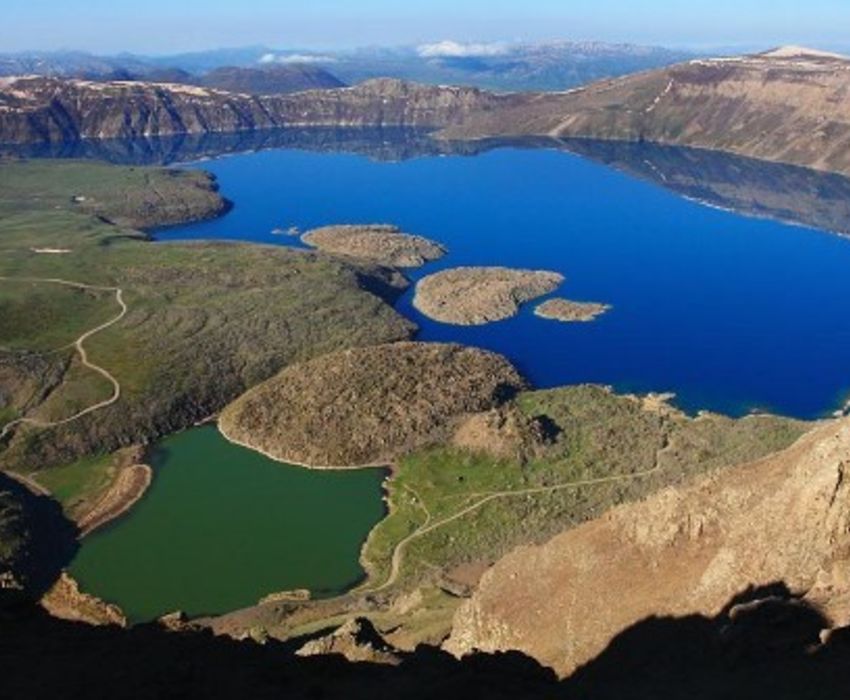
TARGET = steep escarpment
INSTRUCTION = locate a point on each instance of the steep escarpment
(785, 106)
(788, 106)
(743, 534)
(36, 110)
(368, 405)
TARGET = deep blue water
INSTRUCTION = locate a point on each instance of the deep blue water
(730, 313)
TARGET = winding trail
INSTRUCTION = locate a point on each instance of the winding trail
(429, 526)
(78, 345)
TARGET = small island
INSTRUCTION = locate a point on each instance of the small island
(571, 311)
(470, 296)
(378, 243)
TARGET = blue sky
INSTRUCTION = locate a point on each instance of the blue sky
(162, 26)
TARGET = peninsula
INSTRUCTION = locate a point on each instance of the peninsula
(368, 406)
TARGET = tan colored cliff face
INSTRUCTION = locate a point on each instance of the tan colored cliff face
(785, 518)
(790, 109)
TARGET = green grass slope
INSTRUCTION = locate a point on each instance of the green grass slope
(204, 321)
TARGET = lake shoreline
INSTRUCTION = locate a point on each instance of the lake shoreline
(130, 486)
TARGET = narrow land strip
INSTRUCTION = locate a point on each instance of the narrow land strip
(129, 487)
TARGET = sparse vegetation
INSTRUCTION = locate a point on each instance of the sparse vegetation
(629, 448)
(368, 406)
(378, 243)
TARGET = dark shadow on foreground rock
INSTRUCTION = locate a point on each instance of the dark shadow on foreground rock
(760, 650)
(37, 541)
(764, 644)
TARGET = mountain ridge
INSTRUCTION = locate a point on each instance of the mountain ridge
(788, 106)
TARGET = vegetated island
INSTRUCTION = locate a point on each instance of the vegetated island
(378, 243)
(470, 296)
(566, 310)
(368, 406)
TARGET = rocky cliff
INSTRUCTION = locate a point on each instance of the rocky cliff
(780, 522)
(791, 105)
(36, 109)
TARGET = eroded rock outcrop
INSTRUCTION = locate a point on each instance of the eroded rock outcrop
(357, 640)
(783, 519)
(66, 601)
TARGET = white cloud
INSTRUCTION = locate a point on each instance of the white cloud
(296, 58)
(454, 49)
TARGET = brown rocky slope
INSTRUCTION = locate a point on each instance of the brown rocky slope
(789, 106)
(368, 405)
(783, 519)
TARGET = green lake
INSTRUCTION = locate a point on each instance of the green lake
(222, 526)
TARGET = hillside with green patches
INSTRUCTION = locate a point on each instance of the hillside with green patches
(451, 505)
(542, 463)
(203, 321)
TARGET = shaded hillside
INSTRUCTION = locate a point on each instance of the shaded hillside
(36, 542)
(770, 654)
(748, 186)
(784, 106)
(270, 80)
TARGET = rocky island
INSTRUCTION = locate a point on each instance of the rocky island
(368, 406)
(566, 310)
(471, 296)
(377, 243)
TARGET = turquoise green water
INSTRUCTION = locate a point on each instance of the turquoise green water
(222, 526)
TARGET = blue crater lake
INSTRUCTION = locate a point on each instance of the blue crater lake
(729, 311)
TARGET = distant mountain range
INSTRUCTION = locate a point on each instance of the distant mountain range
(496, 66)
